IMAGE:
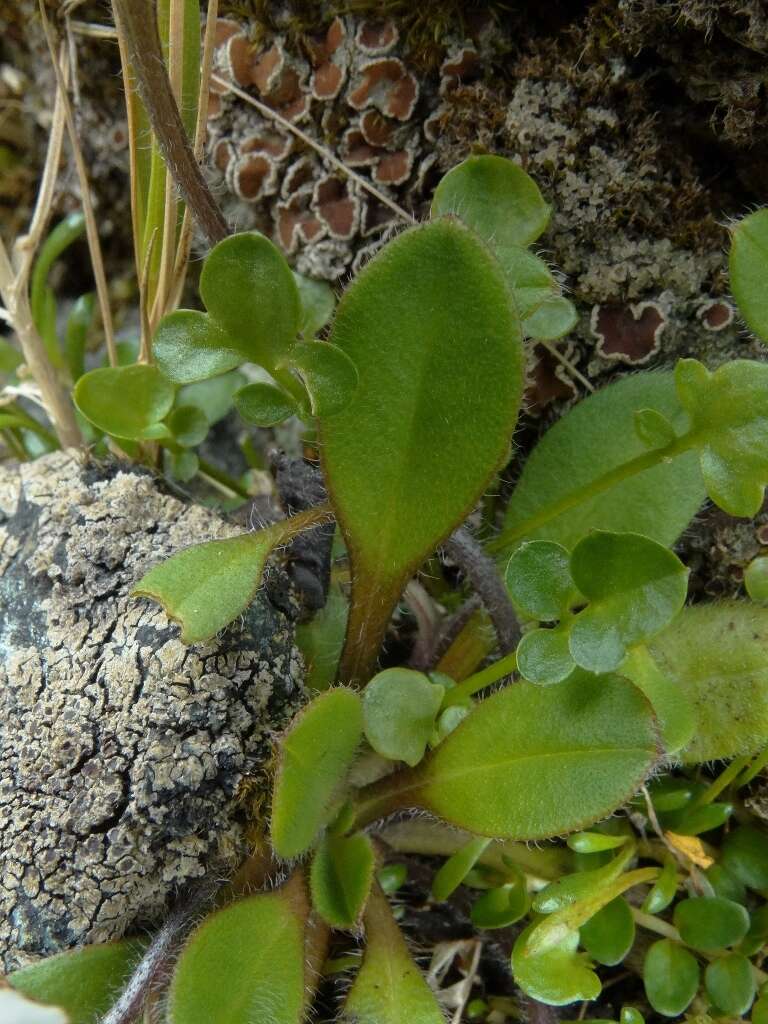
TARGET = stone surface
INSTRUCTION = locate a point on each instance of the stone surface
(122, 752)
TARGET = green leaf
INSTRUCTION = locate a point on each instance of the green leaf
(745, 856)
(559, 976)
(671, 977)
(501, 907)
(314, 756)
(41, 297)
(214, 397)
(663, 890)
(716, 654)
(539, 580)
(400, 707)
(635, 587)
(10, 357)
(321, 639)
(760, 1011)
(671, 703)
(544, 656)
(595, 436)
(729, 420)
(654, 429)
(341, 878)
(389, 988)
(411, 453)
(182, 464)
(609, 935)
(749, 270)
(756, 579)
(496, 198)
(188, 425)
(704, 819)
(710, 923)
(205, 586)
(529, 277)
(594, 842)
(730, 984)
(317, 304)
(243, 963)
(554, 318)
(583, 747)
(453, 872)
(329, 375)
(264, 404)
(125, 401)
(84, 982)
(576, 887)
(254, 313)
(78, 322)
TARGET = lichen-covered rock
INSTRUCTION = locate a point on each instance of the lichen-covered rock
(121, 750)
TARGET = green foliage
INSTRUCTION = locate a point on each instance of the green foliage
(417, 444)
(82, 982)
(711, 923)
(596, 437)
(715, 654)
(457, 867)
(730, 984)
(264, 404)
(205, 586)
(654, 429)
(583, 747)
(729, 424)
(341, 878)
(745, 856)
(610, 933)
(630, 586)
(328, 374)
(557, 976)
(126, 401)
(400, 707)
(389, 988)
(41, 297)
(317, 304)
(749, 270)
(243, 963)
(502, 906)
(756, 579)
(671, 976)
(314, 756)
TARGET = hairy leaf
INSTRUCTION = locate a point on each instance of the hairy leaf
(205, 586)
(125, 401)
(400, 707)
(84, 982)
(329, 375)
(749, 270)
(389, 988)
(253, 313)
(431, 330)
(728, 409)
(715, 653)
(597, 436)
(496, 198)
(244, 963)
(314, 756)
(341, 878)
(583, 747)
(672, 704)
(264, 404)
(317, 304)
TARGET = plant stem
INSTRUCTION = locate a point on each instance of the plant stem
(381, 798)
(754, 769)
(481, 571)
(136, 21)
(473, 684)
(590, 490)
(223, 478)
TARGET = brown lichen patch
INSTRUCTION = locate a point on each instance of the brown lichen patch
(629, 334)
(715, 314)
(336, 207)
(376, 37)
(253, 176)
(376, 129)
(387, 85)
(547, 380)
(393, 168)
(274, 143)
(121, 750)
(240, 63)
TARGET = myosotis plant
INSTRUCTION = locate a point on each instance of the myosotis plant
(414, 395)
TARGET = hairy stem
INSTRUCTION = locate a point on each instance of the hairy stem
(137, 23)
(480, 680)
(481, 571)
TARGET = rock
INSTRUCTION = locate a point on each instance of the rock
(122, 752)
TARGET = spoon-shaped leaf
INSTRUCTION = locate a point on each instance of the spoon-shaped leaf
(635, 587)
(671, 977)
(205, 586)
(430, 327)
(558, 976)
(341, 878)
(264, 404)
(244, 963)
(314, 756)
(82, 981)
(729, 419)
(253, 313)
(317, 304)
(125, 401)
(582, 747)
(496, 198)
(329, 375)
(539, 580)
(749, 270)
(400, 707)
(389, 988)
(554, 318)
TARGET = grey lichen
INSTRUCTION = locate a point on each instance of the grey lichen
(121, 750)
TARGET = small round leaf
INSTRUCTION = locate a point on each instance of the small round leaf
(554, 318)
(126, 401)
(317, 304)
(756, 579)
(557, 977)
(711, 923)
(745, 856)
(609, 935)
(544, 657)
(730, 984)
(188, 425)
(749, 270)
(539, 579)
(264, 404)
(399, 707)
(671, 977)
(329, 375)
